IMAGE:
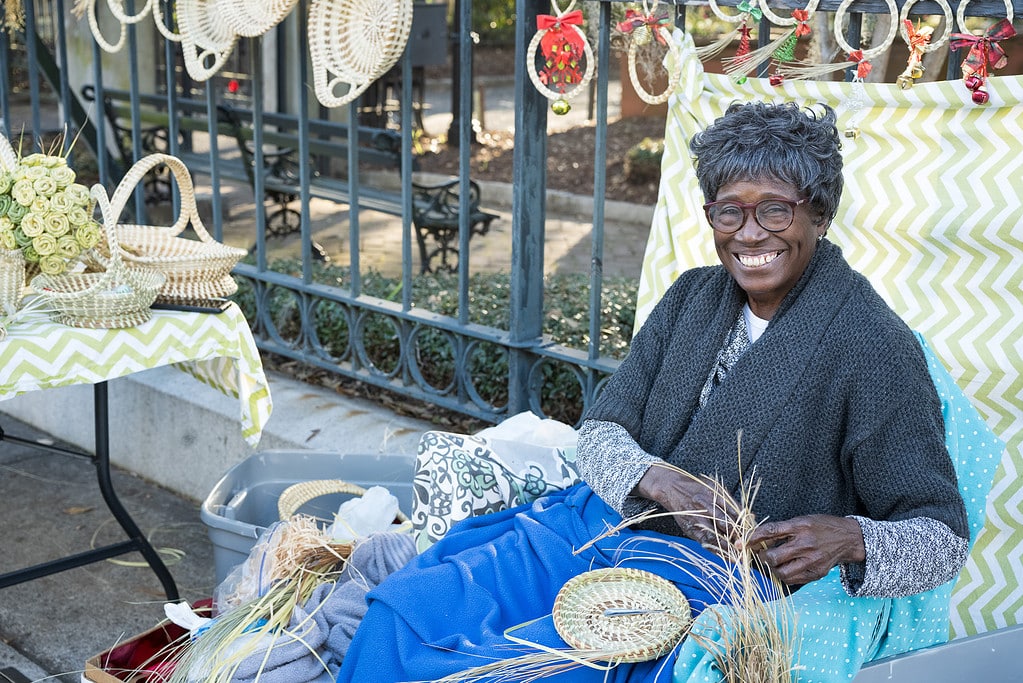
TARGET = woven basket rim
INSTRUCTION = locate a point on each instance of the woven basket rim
(300, 493)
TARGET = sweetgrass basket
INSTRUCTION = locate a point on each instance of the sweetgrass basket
(353, 43)
(117, 297)
(297, 495)
(12, 279)
(252, 18)
(627, 614)
(196, 270)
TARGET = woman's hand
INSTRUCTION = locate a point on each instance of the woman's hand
(710, 513)
(804, 549)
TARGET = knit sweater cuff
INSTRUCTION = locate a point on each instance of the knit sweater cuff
(904, 558)
(612, 463)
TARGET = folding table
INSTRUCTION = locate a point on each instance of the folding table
(217, 349)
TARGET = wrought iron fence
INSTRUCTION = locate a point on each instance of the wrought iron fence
(396, 343)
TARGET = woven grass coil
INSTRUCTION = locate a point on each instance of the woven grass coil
(353, 43)
(628, 614)
(195, 270)
(115, 298)
(297, 495)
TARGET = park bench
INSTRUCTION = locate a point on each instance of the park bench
(435, 208)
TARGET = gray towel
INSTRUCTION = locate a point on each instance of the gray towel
(321, 630)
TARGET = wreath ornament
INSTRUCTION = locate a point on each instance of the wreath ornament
(568, 61)
(920, 41)
(984, 50)
(643, 27)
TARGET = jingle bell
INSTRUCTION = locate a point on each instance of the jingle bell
(973, 82)
(561, 107)
(642, 35)
(917, 73)
(776, 79)
(980, 96)
(904, 82)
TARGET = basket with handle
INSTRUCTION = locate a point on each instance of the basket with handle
(117, 297)
(297, 495)
(196, 270)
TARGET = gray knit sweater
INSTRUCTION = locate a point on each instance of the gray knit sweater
(836, 407)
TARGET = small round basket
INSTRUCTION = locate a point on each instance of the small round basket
(630, 614)
(196, 270)
(117, 297)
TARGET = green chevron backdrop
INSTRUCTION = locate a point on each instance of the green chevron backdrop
(932, 213)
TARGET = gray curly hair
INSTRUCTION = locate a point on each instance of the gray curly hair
(756, 140)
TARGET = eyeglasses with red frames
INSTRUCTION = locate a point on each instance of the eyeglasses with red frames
(773, 215)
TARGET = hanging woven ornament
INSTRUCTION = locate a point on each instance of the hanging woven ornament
(206, 38)
(920, 41)
(87, 8)
(252, 18)
(748, 14)
(855, 57)
(782, 48)
(566, 62)
(643, 27)
(161, 25)
(984, 50)
(352, 43)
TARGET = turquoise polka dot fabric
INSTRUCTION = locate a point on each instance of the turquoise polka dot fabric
(837, 634)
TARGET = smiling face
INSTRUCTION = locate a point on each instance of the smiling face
(766, 265)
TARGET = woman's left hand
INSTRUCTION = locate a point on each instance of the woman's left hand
(804, 549)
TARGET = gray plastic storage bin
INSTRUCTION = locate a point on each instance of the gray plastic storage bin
(244, 502)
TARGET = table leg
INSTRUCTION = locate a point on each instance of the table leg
(137, 540)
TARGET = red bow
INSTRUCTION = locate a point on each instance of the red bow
(547, 21)
(863, 67)
(917, 41)
(984, 49)
(801, 16)
(634, 19)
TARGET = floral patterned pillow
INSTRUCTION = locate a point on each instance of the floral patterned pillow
(460, 476)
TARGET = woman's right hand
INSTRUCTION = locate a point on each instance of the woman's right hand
(707, 513)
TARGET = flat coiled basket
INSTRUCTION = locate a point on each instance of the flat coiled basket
(628, 614)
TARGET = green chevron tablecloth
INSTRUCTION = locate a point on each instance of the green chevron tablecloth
(932, 213)
(216, 349)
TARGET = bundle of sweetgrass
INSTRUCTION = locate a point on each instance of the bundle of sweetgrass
(301, 558)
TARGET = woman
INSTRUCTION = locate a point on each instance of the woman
(784, 344)
(840, 420)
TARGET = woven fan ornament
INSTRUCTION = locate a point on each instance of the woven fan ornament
(568, 61)
(353, 43)
(253, 18)
(87, 8)
(207, 38)
(782, 49)
(919, 41)
(984, 50)
(643, 27)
